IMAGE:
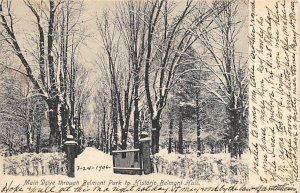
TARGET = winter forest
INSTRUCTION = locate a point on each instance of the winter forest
(106, 72)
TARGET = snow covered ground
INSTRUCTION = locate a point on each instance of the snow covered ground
(173, 156)
(94, 169)
(89, 180)
(92, 158)
(93, 164)
(218, 167)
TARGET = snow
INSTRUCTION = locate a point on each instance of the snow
(168, 156)
(206, 156)
(90, 157)
(222, 168)
(93, 157)
(92, 178)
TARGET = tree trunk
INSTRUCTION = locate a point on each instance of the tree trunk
(107, 139)
(72, 118)
(136, 124)
(124, 126)
(29, 138)
(198, 125)
(55, 134)
(64, 122)
(114, 117)
(180, 134)
(10, 147)
(170, 136)
(136, 115)
(38, 139)
(234, 130)
(155, 135)
(111, 145)
(212, 149)
(103, 131)
(101, 139)
(115, 123)
(98, 136)
(79, 135)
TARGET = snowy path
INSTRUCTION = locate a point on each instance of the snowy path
(93, 162)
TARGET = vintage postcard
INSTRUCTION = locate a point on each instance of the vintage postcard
(170, 96)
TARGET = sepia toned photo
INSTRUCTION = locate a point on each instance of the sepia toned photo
(148, 95)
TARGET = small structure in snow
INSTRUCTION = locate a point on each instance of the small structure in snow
(134, 161)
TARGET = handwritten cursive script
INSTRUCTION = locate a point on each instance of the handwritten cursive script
(273, 118)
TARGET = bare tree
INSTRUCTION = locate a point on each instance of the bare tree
(229, 69)
(102, 115)
(12, 116)
(169, 37)
(130, 17)
(80, 93)
(20, 115)
(110, 66)
(57, 39)
(125, 85)
(156, 37)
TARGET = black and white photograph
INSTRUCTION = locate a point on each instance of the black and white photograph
(126, 89)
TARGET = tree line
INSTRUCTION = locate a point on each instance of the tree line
(159, 61)
(49, 59)
(152, 51)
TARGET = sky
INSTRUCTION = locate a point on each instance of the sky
(94, 7)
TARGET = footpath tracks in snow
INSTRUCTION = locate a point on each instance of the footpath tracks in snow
(93, 163)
